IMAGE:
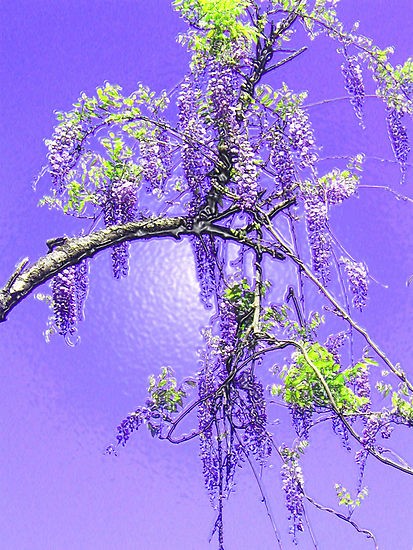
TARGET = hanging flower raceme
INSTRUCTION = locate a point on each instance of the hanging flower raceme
(316, 212)
(353, 82)
(302, 139)
(228, 328)
(210, 376)
(205, 251)
(65, 149)
(156, 159)
(302, 420)
(119, 208)
(292, 484)
(195, 163)
(223, 83)
(334, 342)
(69, 291)
(254, 415)
(398, 139)
(358, 279)
(280, 158)
(245, 173)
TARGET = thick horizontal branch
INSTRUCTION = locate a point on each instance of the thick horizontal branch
(64, 252)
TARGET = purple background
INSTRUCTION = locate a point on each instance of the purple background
(60, 405)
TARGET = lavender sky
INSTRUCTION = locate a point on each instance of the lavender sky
(60, 405)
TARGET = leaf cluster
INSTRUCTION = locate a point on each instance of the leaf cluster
(304, 388)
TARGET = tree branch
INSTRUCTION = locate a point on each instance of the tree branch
(70, 251)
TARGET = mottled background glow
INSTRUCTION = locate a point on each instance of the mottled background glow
(60, 405)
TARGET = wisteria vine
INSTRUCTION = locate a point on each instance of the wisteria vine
(242, 166)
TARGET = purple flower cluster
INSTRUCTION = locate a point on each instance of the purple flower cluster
(293, 485)
(376, 423)
(358, 279)
(131, 424)
(195, 164)
(302, 139)
(334, 342)
(353, 82)
(370, 430)
(223, 83)
(340, 429)
(65, 148)
(316, 212)
(281, 159)
(301, 418)
(207, 410)
(256, 437)
(228, 328)
(222, 87)
(386, 428)
(119, 208)
(362, 383)
(221, 91)
(398, 138)
(156, 159)
(338, 187)
(69, 291)
(245, 173)
(205, 252)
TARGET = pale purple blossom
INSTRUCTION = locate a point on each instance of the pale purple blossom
(293, 487)
(65, 149)
(353, 82)
(302, 139)
(398, 138)
(316, 212)
(358, 278)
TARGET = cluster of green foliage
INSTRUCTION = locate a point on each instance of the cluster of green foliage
(314, 381)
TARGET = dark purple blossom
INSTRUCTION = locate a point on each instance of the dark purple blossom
(293, 487)
(69, 291)
(205, 251)
(256, 437)
(131, 424)
(340, 429)
(353, 82)
(370, 430)
(358, 279)
(362, 383)
(156, 159)
(281, 158)
(398, 138)
(119, 208)
(334, 342)
(228, 328)
(302, 420)
(208, 380)
(222, 94)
